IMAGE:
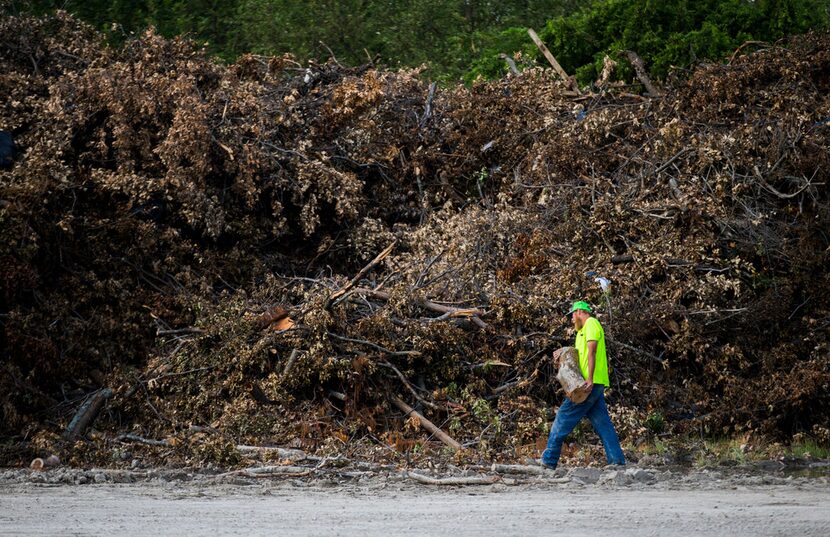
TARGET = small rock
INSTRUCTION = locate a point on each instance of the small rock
(82, 480)
(100, 477)
(616, 477)
(641, 476)
(664, 476)
(585, 475)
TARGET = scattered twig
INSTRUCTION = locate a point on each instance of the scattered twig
(504, 387)
(181, 373)
(271, 471)
(671, 160)
(333, 57)
(744, 45)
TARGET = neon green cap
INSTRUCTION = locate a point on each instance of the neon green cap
(580, 305)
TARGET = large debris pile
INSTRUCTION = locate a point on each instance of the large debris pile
(191, 236)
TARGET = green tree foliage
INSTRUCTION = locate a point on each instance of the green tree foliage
(674, 33)
(459, 38)
(449, 35)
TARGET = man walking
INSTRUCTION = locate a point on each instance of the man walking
(593, 363)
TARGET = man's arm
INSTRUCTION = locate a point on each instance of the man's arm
(592, 362)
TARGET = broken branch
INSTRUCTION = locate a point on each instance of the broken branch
(87, 413)
(142, 440)
(426, 424)
(555, 64)
(374, 346)
(380, 257)
(640, 69)
(470, 313)
(408, 385)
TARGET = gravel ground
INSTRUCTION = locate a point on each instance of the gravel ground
(579, 501)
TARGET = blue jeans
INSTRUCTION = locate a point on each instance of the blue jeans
(569, 415)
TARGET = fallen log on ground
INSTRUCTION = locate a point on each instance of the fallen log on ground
(271, 471)
(282, 453)
(426, 480)
(518, 469)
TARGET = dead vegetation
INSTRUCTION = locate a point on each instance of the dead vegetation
(191, 236)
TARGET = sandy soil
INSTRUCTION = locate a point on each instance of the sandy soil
(576, 502)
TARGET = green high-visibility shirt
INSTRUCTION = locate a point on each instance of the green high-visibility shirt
(592, 331)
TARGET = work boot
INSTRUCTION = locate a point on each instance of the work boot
(539, 462)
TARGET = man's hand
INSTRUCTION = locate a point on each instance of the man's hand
(588, 386)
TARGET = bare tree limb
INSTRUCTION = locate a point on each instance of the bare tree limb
(291, 359)
(408, 385)
(426, 424)
(428, 105)
(640, 69)
(374, 346)
(555, 64)
(470, 313)
(271, 471)
(142, 440)
(778, 194)
(87, 413)
(282, 453)
(518, 469)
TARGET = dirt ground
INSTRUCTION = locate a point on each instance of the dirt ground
(581, 501)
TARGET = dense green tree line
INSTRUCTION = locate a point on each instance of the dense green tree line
(675, 33)
(459, 38)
